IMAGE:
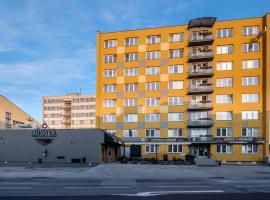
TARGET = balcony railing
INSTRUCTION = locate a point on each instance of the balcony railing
(200, 106)
(204, 88)
(66, 114)
(205, 122)
(201, 72)
(199, 56)
(201, 139)
(202, 38)
(67, 122)
(66, 107)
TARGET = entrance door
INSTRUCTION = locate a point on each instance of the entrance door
(201, 151)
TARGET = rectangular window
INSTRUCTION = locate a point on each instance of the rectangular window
(152, 70)
(152, 133)
(153, 86)
(131, 41)
(197, 132)
(176, 69)
(131, 57)
(251, 30)
(199, 115)
(109, 88)
(176, 85)
(224, 82)
(110, 58)
(131, 87)
(224, 66)
(176, 53)
(250, 47)
(175, 132)
(250, 80)
(176, 37)
(131, 72)
(153, 148)
(250, 98)
(250, 132)
(130, 133)
(130, 118)
(175, 148)
(109, 103)
(249, 148)
(226, 49)
(250, 115)
(109, 73)
(152, 117)
(110, 44)
(8, 120)
(109, 118)
(224, 148)
(153, 39)
(224, 132)
(175, 117)
(175, 101)
(224, 98)
(224, 33)
(152, 101)
(130, 102)
(153, 55)
(250, 64)
(223, 115)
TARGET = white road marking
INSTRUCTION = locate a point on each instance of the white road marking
(242, 181)
(15, 188)
(252, 186)
(94, 187)
(179, 186)
(19, 183)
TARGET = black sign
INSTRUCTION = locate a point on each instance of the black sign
(242, 140)
(165, 140)
(44, 136)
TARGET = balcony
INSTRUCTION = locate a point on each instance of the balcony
(66, 114)
(66, 122)
(201, 72)
(204, 122)
(200, 89)
(201, 38)
(201, 56)
(67, 107)
(202, 139)
(200, 106)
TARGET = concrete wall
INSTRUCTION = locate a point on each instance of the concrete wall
(20, 146)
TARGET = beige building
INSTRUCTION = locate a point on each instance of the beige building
(71, 111)
(12, 117)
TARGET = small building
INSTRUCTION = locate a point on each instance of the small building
(57, 147)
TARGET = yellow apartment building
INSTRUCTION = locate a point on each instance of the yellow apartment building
(12, 117)
(199, 89)
(70, 111)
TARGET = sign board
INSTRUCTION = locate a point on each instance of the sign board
(44, 136)
(241, 140)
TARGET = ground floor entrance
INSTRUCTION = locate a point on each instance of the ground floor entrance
(200, 150)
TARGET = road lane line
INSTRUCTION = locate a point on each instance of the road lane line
(15, 188)
(95, 187)
(179, 186)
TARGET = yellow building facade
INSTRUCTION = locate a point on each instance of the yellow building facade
(199, 89)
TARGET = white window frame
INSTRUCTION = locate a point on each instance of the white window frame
(250, 98)
(175, 132)
(250, 115)
(175, 148)
(129, 57)
(131, 72)
(153, 39)
(224, 148)
(109, 73)
(175, 85)
(250, 132)
(130, 117)
(152, 86)
(175, 117)
(133, 41)
(251, 30)
(224, 66)
(225, 33)
(226, 115)
(109, 88)
(109, 103)
(130, 133)
(109, 118)
(130, 102)
(131, 87)
(251, 64)
(110, 58)
(110, 44)
(175, 101)
(175, 69)
(250, 148)
(176, 53)
(149, 133)
(176, 37)
(224, 82)
(152, 71)
(153, 55)
(152, 101)
(225, 49)
(250, 81)
(228, 132)
(251, 47)
(152, 117)
(224, 98)
(151, 148)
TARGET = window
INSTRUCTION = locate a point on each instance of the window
(251, 80)
(131, 87)
(130, 118)
(226, 49)
(251, 30)
(131, 72)
(224, 66)
(176, 69)
(109, 118)
(131, 41)
(224, 132)
(174, 101)
(224, 82)
(251, 47)
(224, 98)
(110, 44)
(152, 101)
(152, 117)
(176, 53)
(110, 88)
(250, 115)
(175, 132)
(109, 73)
(153, 148)
(175, 148)
(250, 64)
(8, 120)
(153, 39)
(224, 33)
(249, 148)
(224, 148)
(109, 103)
(130, 102)
(197, 132)
(250, 132)
(176, 37)
(130, 133)
(250, 98)
(152, 133)
(152, 70)
(176, 85)
(153, 86)
(223, 115)
(109, 58)
(198, 115)
(153, 55)
(131, 57)
(175, 117)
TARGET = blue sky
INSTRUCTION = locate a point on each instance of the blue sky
(47, 47)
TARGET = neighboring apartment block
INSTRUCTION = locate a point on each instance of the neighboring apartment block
(12, 117)
(200, 89)
(71, 111)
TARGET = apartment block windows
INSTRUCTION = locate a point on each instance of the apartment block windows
(110, 44)
(250, 64)
(130, 118)
(176, 37)
(226, 49)
(197, 132)
(153, 148)
(109, 88)
(109, 73)
(176, 85)
(249, 148)
(224, 98)
(175, 132)
(250, 98)
(131, 87)
(251, 30)
(152, 117)
(251, 47)
(176, 69)
(224, 33)
(109, 118)
(130, 133)
(224, 148)
(110, 58)
(175, 117)
(131, 72)
(153, 86)
(131, 41)
(175, 148)
(131, 57)
(130, 102)
(153, 39)
(224, 82)
(250, 81)
(250, 115)
(176, 53)
(152, 133)
(152, 70)
(224, 132)
(223, 116)
(152, 101)
(175, 101)
(153, 55)
(198, 115)
(109, 103)
(250, 132)
(224, 66)
(8, 120)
